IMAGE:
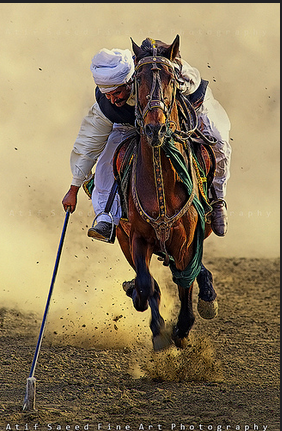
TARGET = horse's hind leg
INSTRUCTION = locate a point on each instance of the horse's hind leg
(186, 317)
(207, 302)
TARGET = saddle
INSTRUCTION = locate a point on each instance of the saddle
(122, 166)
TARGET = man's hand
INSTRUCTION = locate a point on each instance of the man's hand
(70, 199)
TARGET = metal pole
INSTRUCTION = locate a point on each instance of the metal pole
(29, 401)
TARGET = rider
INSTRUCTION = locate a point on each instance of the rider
(111, 119)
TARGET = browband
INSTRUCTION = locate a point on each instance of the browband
(154, 60)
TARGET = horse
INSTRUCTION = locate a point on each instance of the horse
(164, 214)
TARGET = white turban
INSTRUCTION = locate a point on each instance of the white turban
(112, 68)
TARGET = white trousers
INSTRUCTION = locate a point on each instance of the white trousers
(104, 177)
(213, 121)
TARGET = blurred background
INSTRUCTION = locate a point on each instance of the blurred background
(47, 88)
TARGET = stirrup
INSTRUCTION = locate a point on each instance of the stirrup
(112, 237)
(215, 201)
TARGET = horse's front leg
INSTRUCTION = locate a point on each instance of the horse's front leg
(144, 284)
(186, 317)
(147, 292)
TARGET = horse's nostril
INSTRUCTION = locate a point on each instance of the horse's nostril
(155, 131)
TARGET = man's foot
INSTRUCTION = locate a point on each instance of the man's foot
(103, 231)
(219, 220)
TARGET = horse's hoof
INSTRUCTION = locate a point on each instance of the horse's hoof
(161, 341)
(207, 309)
(180, 342)
(128, 287)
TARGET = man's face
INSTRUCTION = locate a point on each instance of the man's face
(119, 96)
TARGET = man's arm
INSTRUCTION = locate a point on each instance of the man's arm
(189, 78)
(90, 142)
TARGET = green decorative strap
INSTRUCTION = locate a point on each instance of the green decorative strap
(88, 186)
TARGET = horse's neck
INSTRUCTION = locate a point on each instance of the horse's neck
(152, 159)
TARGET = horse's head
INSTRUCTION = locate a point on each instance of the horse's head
(155, 87)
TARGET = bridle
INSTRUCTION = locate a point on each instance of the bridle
(156, 96)
(163, 223)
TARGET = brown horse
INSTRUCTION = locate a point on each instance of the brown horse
(164, 213)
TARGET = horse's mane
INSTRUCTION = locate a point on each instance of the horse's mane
(147, 47)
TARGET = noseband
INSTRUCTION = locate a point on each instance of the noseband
(155, 97)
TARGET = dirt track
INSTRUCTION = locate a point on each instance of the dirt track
(227, 375)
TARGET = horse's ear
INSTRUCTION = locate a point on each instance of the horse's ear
(174, 48)
(136, 49)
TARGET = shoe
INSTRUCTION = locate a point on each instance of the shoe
(219, 219)
(103, 232)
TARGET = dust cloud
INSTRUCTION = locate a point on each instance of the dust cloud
(46, 89)
(197, 362)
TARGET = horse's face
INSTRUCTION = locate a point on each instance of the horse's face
(155, 89)
(155, 95)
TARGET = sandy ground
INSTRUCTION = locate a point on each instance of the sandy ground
(96, 364)
(228, 375)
